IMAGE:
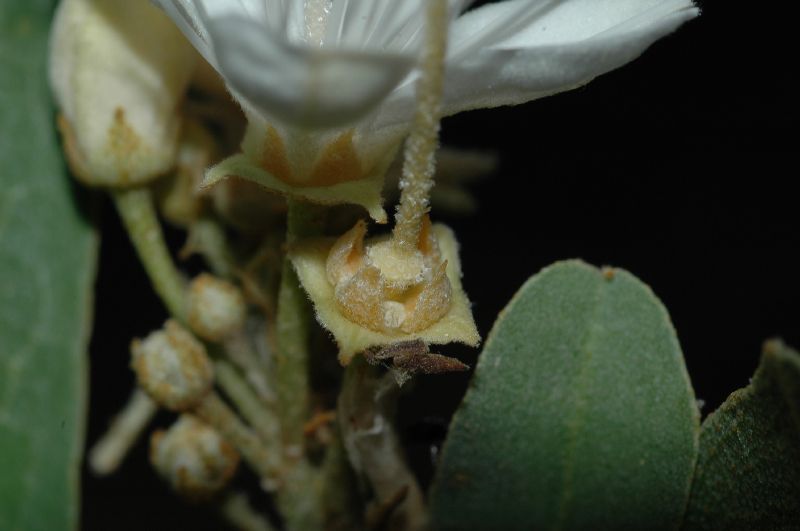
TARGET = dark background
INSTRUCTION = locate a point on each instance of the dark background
(677, 167)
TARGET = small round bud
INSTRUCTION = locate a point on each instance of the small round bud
(217, 308)
(172, 367)
(193, 458)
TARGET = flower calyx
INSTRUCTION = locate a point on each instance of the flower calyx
(370, 293)
(386, 289)
(327, 167)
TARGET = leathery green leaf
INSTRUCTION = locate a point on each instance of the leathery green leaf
(580, 414)
(47, 262)
(748, 469)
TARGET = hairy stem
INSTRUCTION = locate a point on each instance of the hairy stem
(249, 405)
(216, 413)
(109, 451)
(299, 497)
(292, 328)
(240, 514)
(366, 411)
(420, 151)
(138, 213)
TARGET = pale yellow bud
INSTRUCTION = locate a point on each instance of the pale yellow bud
(193, 458)
(217, 308)
(172, 367)
(118, 70)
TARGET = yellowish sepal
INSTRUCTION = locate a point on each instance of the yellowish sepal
(365, 192)
(309, 259)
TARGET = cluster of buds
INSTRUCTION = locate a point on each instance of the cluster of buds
(174, 369)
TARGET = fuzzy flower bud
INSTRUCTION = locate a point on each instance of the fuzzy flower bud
(118, 71)
(173, 367)
(193, 458)
(217, 308)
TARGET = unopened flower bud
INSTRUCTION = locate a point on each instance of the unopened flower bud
(118, 71)
(217, 308)
(172, 367)
(193, 458)
(178, 198)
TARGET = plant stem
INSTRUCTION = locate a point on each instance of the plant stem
(366, 410)
(252, 409)
(292, 328)
(216, 413)
(109, 451)
(420, 151)
(300, 495)
(240, 514)
(138, 213)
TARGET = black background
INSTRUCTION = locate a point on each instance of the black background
(678, 167)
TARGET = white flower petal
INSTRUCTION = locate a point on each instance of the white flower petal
(307, 62)
(298, 84)
(567, 45)
(519, 50)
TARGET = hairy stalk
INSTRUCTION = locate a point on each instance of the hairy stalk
(109, 451)
(241, 353)
(138, 213)
(299, 496)
(236, 509)
(366, 408)
(292, 328)
(207, 237)
(420, 152)
(263, 422)
(217, 414)
(341, 503)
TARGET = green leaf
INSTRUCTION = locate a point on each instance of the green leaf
(580, 414)
(748, 470)
(47, 263)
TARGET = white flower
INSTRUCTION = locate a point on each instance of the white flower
(327, 61)
(333, 79)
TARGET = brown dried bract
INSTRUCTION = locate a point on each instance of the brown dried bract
(414, 357)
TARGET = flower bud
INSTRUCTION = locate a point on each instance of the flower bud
(118, 71)
(217, 308)
(193, 458)
(178, 198)
(172, 367)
